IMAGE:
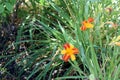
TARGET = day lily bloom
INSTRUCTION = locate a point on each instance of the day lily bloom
(69, 52)
(87, 24)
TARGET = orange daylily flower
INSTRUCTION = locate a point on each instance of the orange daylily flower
(87, 24)
(69, 52)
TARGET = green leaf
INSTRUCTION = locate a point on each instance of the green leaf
(42, 2)
(12, 2)
(1, 8)
(9, 6)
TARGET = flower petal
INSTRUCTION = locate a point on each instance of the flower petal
(75, 51)
(63, 51)
(66, 57)
(84, 22)
(89, 25)
(83, 28)
(72, 57)
(90, 20)
(67, 45)
(71, 46)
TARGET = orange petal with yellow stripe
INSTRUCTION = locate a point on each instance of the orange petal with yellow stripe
(75, 51)
(66, 45)
(83, 28)
(90, 20)
(66, 57)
